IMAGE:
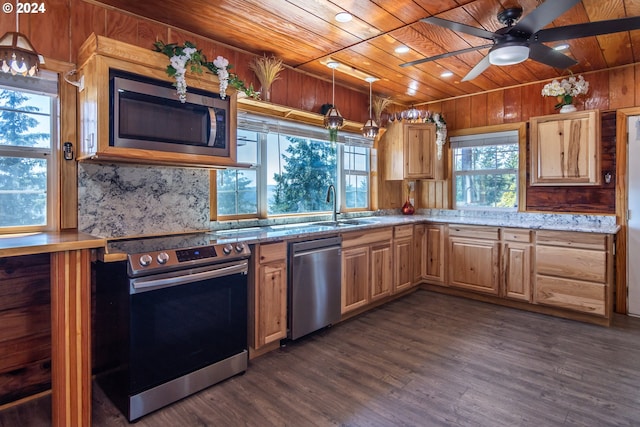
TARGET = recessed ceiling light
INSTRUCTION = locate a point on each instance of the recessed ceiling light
(343, 17)
(446, 74)
(563, 46)
(402, 49)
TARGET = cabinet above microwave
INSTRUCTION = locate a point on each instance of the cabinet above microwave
(130, 112)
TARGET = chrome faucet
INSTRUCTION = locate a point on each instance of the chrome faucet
(334, 214)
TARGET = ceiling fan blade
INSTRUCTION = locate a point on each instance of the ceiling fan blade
(478, 69)
(445, 55)
(463, 28)
(549, 56)
(588, 29)
(542, 16)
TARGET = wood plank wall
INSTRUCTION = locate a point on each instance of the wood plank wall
(75, 20)
(58, 34)
(609, 90)
(25, 335)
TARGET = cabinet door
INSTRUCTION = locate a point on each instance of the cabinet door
(473, 264)
(419, 151)
(403, 263)
(418, 252)
(381, 271)
(433, 254)
(271, 320)
(355, 278)
(516, 270)
(565, 149)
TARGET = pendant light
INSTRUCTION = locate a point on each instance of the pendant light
(17, 55)
(333, 120)
(370, 128)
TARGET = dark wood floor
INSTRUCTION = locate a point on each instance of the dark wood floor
(424, 360)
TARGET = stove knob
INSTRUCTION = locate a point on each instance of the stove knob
(162, 257)
(227, 249)
(145, 260)
(239, 247)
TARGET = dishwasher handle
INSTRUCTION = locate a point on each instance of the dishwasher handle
(308, 246)
(316, 251)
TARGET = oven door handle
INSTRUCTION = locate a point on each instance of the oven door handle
(146, 284)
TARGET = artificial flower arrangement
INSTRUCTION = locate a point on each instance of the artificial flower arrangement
(189, 57)
(441, 130)
(566, 89)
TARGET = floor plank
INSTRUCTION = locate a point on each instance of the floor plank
(424, 360)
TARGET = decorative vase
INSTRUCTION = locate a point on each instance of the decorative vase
(407, 208)
(568, 108)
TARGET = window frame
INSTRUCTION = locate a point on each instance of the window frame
(41, 85)
(521, 128)
(345, 138)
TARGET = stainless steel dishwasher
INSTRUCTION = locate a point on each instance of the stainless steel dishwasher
(314, 285)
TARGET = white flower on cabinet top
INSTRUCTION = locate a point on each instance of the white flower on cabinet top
(566, 89)
(188, 57)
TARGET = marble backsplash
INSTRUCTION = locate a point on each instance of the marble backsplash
(121, 200)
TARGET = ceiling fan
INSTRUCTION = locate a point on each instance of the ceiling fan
(513, 44)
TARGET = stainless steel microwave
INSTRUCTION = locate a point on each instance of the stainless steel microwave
(147, 114)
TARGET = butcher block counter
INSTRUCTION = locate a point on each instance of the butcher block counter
(70, 255)
(46, 242)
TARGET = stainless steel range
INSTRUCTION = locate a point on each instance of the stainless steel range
(170, 320)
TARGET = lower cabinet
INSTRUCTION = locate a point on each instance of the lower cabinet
(574, 271)
(516, 264)
(432, 253)
(366, 267)
(403, 273)
(474, 258)
(355, 278)
(268, 294)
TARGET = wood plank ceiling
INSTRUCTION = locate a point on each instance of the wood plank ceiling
(305, 35)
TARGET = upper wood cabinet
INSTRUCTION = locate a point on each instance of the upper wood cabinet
(97, 56)
(565, 149)
(409, 151)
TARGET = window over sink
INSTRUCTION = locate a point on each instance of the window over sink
(289, 167)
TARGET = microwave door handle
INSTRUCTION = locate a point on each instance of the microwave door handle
(211, 126)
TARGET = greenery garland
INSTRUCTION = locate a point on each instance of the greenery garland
(189, 57)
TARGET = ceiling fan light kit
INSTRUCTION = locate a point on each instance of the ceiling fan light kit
(509, 55)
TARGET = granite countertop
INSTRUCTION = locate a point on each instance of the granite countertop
(561, 222)
(251, 232)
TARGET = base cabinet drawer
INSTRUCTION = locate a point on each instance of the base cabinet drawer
(571, 294)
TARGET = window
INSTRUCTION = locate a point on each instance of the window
(237, 193)
(290, 167)
(486, 170)
(27, 137)
(356, 177)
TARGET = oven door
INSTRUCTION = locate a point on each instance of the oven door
(186, 320)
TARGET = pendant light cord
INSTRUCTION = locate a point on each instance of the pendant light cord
(370, 100)
(333, 86)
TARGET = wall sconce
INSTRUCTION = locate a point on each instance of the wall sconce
(607, 177)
